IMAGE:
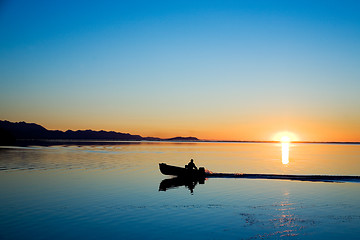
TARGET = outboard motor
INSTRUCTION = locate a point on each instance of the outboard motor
(202, 171)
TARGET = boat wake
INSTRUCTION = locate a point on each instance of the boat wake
(312, 178)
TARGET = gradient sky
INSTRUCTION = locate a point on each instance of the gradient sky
(235, 70)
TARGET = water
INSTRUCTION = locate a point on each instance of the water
(112, 191)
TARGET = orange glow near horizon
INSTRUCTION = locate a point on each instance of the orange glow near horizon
(207, 128)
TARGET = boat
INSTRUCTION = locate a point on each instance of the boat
(180, 171)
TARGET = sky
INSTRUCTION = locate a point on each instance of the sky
(225, 70)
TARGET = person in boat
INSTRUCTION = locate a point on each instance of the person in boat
(191, 165)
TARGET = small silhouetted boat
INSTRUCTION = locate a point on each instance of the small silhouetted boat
(181, 172)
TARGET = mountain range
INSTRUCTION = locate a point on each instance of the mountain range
(10, 132)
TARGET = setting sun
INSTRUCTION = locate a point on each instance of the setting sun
(285, 137)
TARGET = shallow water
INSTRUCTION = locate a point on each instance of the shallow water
(112, 191)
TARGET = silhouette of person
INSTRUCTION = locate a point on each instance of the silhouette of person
(191, 185)
(191, 165)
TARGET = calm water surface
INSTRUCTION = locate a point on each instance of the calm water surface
(112, 191)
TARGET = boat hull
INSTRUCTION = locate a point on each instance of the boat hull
(179, 171)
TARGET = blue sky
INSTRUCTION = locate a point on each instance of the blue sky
(170, 68)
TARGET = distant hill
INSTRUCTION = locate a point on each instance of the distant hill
(12, 131)
(182, 139)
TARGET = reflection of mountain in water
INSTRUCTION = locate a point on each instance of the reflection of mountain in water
(176, 182)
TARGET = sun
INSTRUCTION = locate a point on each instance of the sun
(285, 137)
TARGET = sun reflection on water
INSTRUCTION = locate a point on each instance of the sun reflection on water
(286, 222)
(285, 152)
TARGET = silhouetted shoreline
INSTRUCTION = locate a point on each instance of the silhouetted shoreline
(20, 133)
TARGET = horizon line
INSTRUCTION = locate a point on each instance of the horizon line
(184, 140)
